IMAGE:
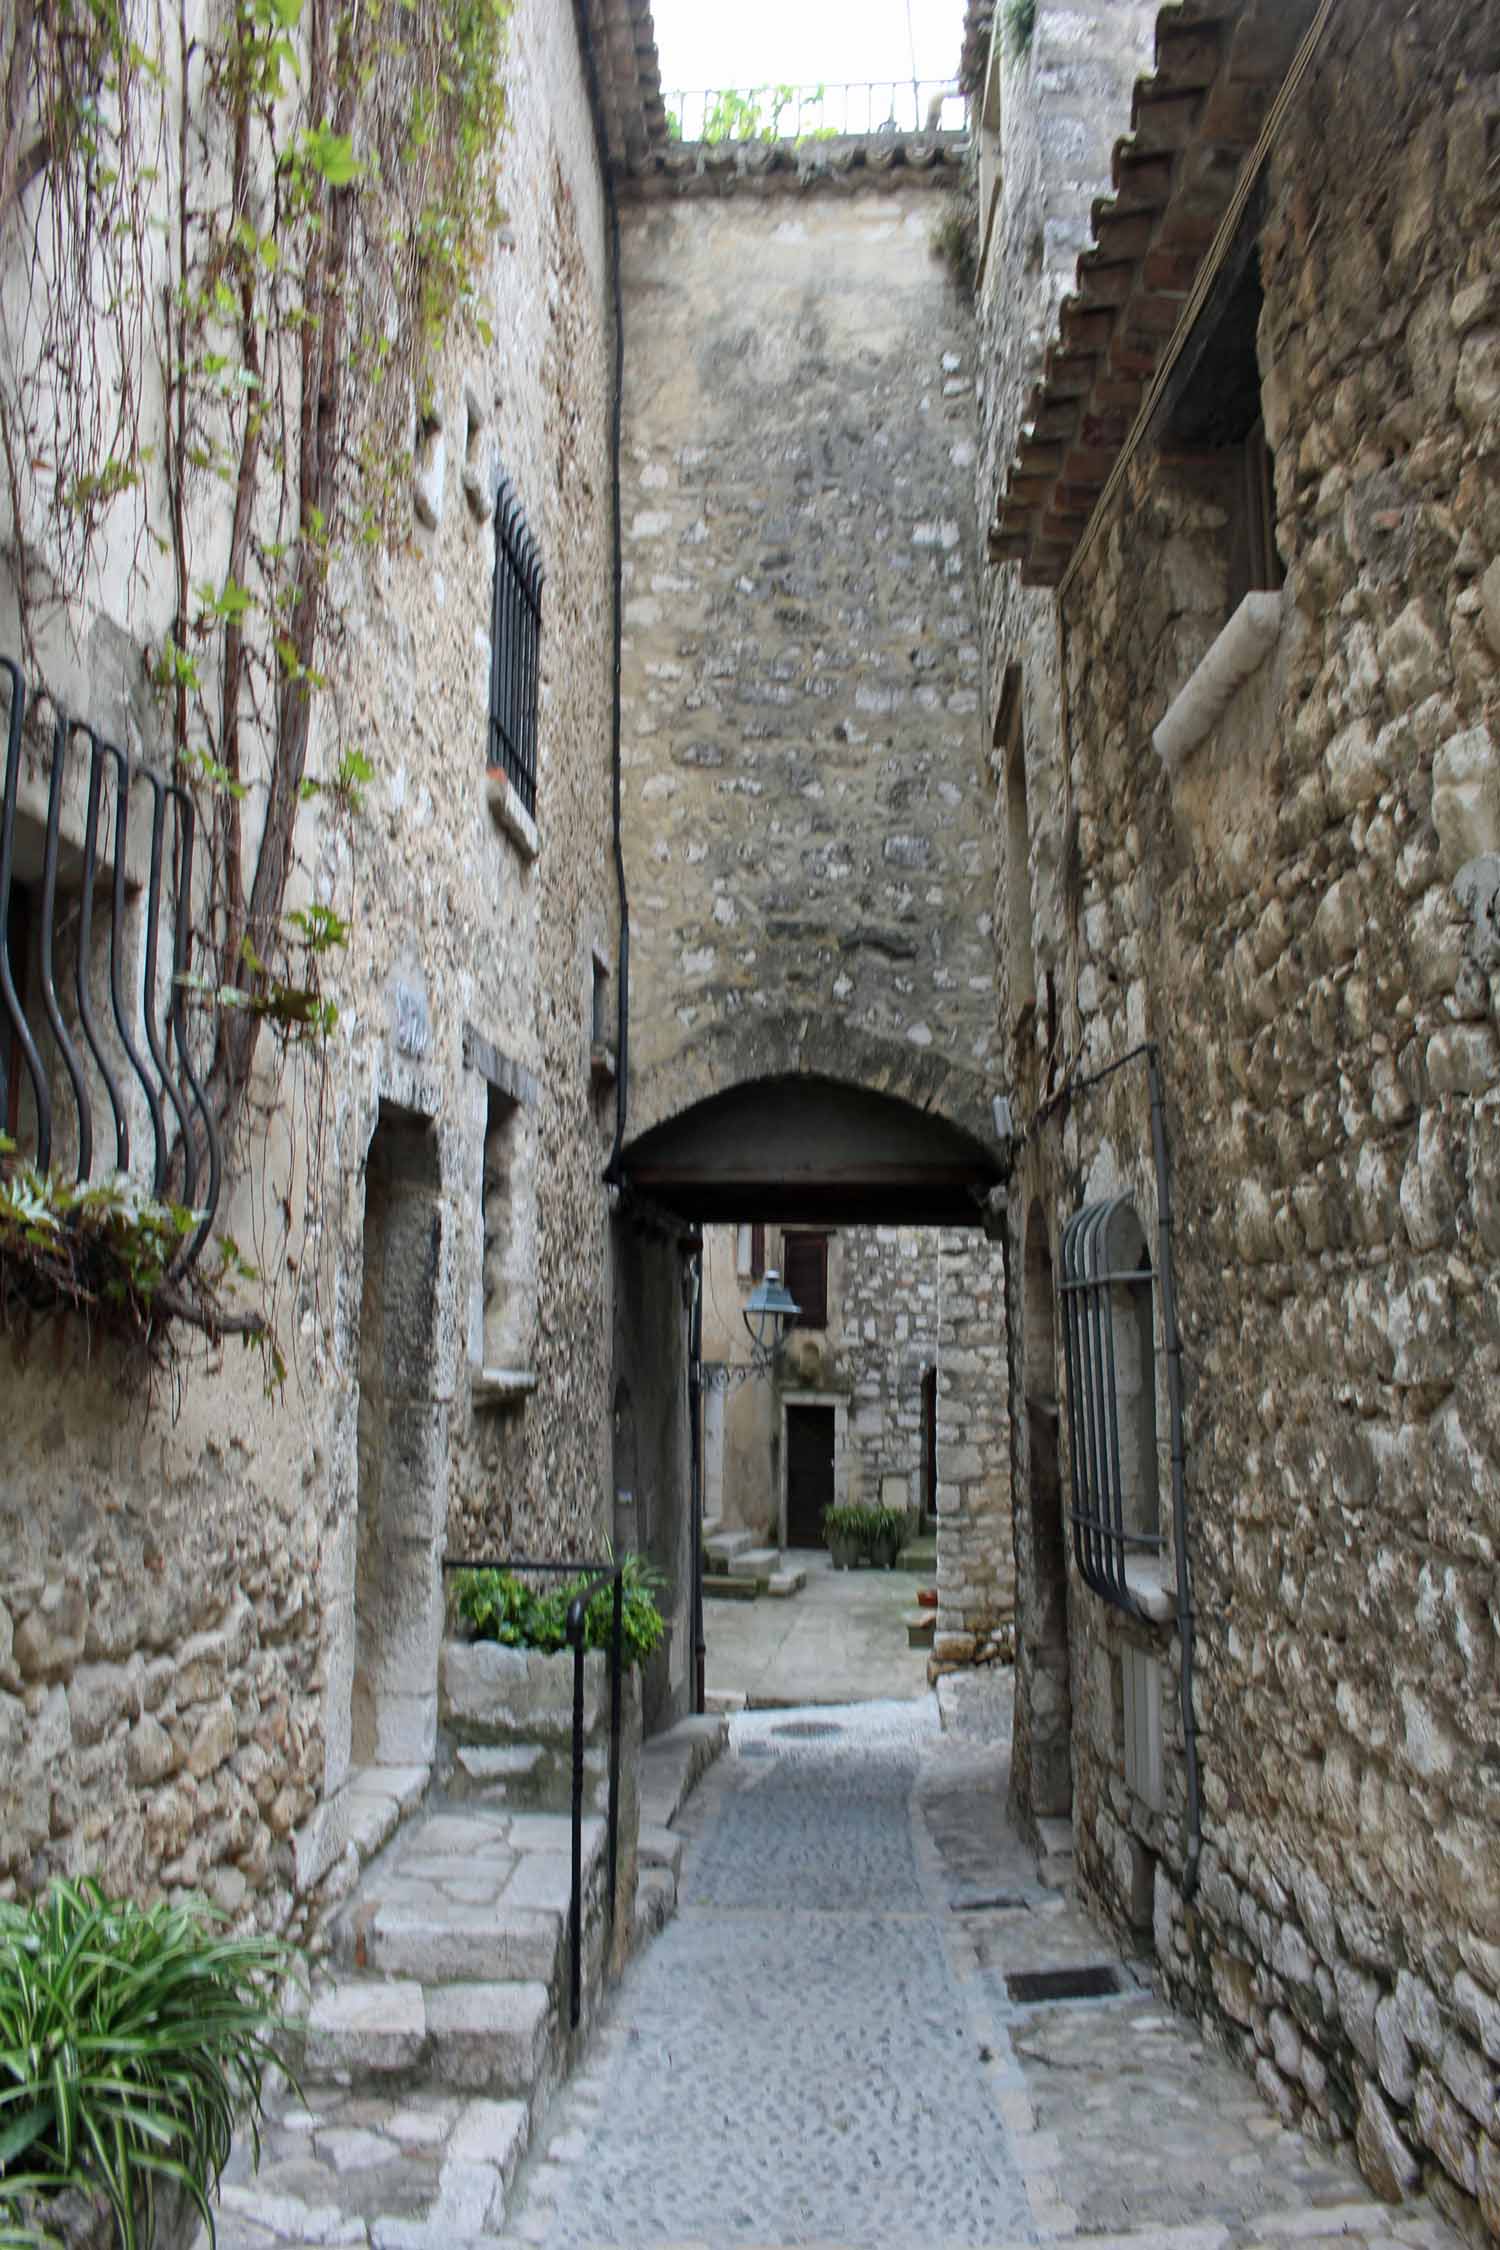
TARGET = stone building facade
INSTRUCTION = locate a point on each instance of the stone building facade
(1243, 662)
(809, 864)
(907, 1377)
(220, 1612)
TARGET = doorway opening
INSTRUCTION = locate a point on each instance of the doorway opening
(402, 1451)
(810, 1439)
(1050, 1692)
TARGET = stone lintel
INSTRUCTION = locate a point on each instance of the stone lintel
(498, 1069)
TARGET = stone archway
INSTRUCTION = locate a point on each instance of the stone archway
(815, 1148)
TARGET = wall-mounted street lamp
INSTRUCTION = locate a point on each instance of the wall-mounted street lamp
(767, 1316)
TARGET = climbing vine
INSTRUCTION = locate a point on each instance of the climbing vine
(232, 244)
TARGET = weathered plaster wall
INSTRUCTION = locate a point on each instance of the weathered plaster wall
(178, 1633)
(804, 818)
(1302, 920)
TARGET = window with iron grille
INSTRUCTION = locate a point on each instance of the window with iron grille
(1109, 1341)
(515, 648)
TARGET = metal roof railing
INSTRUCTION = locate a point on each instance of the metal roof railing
(853, 109)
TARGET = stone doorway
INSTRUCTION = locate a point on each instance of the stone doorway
(809, 1473)
(402, 1451)
(1050, 1694)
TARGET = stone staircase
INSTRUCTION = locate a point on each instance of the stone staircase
(440, 2016)
(449, 1961)
(735, 1569)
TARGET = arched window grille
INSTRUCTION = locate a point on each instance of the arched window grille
(1109, 1342)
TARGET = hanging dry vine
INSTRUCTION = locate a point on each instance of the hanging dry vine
(230, 246)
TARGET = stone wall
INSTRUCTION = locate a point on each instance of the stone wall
(1061, 103)
(1300, 916)
(804, 818)
(198, 1638)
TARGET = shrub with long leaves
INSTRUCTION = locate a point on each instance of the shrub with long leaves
(131, 2038)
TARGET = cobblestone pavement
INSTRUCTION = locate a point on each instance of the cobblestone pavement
(822, 2048)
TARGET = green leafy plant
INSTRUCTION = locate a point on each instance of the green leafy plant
(112, 1252)
(955, 240)
(498, 1606)
(1020, 26)
(131, 2037)
(758, 115)
(865, 1529)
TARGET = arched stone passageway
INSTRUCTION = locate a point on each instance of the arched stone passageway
(917, 1292)
(815, 1148)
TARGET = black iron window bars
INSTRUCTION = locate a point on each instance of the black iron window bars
(100, 1045)
(515, 648)
(1107, 1340)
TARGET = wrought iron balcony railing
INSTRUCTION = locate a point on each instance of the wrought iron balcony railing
(97, 1072)
(858, 108)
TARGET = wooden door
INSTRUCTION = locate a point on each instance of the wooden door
(809, 1473)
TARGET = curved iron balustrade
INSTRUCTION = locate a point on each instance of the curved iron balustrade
(144, 1039)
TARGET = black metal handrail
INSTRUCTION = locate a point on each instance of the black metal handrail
(596, 1575)
(44, 1010)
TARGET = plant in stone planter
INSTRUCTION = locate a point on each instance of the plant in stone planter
(131, 2037)
(496, 1605)
(846, 1534)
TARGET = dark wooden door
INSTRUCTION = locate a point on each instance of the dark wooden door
(809, 1473)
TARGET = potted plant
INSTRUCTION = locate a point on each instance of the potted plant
(130, 2039)
(846, 1534)
(887, 1535)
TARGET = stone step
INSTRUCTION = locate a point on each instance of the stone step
(718, 1551)
(655, 1902)
(921, 1624)
(449, 1944)
(919, 1556)
(488, 2036)
(661, 1847)
(783, 1583)
(361, 2030)
(672, 1764)
(754, 1562)
(723, 1588)
(491, 2038)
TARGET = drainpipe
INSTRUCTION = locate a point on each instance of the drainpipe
(695, 1434)
(612, 1170)
(1173, 1342)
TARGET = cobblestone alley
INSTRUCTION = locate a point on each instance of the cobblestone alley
(821, 2049)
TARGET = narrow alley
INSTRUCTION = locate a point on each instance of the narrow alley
(823, 2048)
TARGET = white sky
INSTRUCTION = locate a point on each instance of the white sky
(803, 42)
